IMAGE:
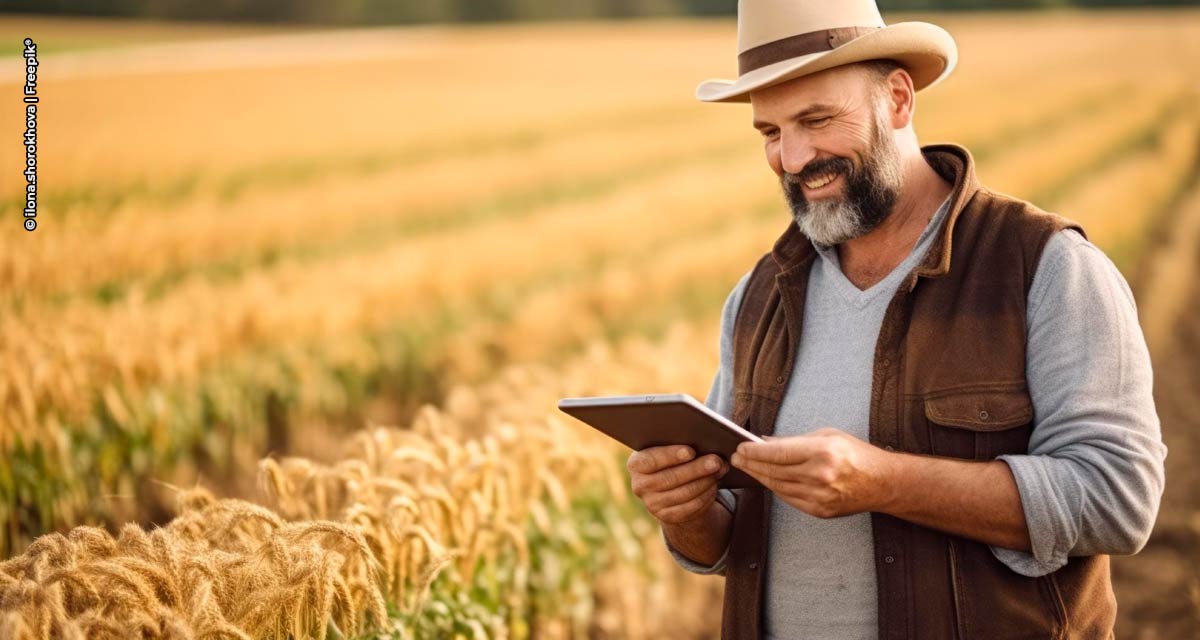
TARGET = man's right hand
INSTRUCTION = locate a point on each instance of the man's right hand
(675, 486)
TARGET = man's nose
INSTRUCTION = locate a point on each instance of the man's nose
(795, 151)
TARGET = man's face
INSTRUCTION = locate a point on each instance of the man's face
(829, 139)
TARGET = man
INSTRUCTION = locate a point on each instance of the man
(956, 384)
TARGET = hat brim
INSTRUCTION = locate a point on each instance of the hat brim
(925, 50)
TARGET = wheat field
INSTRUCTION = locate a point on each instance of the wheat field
(300, 304)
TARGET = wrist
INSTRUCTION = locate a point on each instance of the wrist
(702, 539)
(891, 469)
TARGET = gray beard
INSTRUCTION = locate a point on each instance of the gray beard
(828, 223)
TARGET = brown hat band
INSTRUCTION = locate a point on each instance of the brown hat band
(799, 45)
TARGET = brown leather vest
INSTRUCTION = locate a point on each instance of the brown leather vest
(949, 380)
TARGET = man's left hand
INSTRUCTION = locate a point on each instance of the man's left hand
(826, 473)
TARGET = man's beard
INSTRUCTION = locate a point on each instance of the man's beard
(870, 192)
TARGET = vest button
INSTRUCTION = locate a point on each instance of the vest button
(779, 380)
(753, 565)
(889, 559)
(983, 415)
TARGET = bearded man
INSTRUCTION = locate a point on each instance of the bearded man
(953, 382)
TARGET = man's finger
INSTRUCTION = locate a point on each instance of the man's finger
(804, 495)
(810, 507)
(777, 472)
(810, 501)
(763, 479)
(691, 508)
(791, 450)
(680, 495)
(681, 474)
(654, 459)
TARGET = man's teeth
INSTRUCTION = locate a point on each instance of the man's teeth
(821, 181)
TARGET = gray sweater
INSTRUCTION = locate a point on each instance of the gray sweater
(1090, 483)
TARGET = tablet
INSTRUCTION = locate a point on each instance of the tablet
(640, 422)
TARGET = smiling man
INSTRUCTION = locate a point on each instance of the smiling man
(953, 384)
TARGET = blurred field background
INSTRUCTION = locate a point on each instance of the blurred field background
(306, 298)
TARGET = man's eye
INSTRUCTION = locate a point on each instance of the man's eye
(818, 122)
(770, 133)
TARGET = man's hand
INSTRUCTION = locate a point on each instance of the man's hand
(681, 491)
(826, 473)
(829, 473)
(675, 487)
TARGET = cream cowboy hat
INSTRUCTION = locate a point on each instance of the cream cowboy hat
(779, 40)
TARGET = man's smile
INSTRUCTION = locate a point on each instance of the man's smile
(823, 185)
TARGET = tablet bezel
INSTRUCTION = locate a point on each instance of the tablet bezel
(734, 480)
(686, 398)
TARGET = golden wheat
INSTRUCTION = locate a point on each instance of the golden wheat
(472, 481)
(222, 568)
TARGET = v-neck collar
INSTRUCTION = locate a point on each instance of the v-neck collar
(860, 298)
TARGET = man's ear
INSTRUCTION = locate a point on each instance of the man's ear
(900, 98)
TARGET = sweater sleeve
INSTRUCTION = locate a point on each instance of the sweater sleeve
(720, 399)
(1092, 479)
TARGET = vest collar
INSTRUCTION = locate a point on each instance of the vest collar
(794, 251)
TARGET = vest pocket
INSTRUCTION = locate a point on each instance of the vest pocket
(979, 422)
